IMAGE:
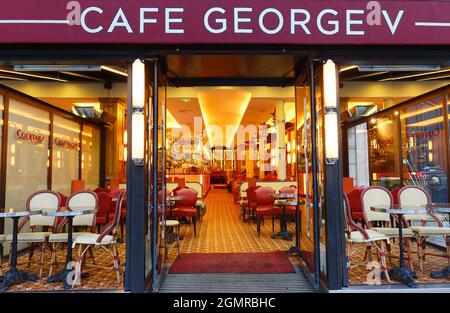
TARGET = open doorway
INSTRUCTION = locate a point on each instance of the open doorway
(228, 132)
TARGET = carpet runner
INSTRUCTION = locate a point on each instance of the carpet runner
(270, 262)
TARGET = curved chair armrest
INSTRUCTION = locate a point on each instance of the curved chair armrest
(108, 229)
(356, 227)
(436, 219)
(23, 223)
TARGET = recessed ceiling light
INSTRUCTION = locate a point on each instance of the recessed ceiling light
(185, 100)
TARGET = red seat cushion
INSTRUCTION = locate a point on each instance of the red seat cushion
(290, 210)
(268, 210)
(355, 202)
(184, 211)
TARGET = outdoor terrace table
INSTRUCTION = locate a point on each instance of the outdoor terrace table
(284, 200)
(440, 208)
(14, 275)
(65, 212)
(402, 271)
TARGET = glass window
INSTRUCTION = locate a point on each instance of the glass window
(358, 150)
(90, 157)
(27, 156)
(383, 152)
(424, 148)
(66, 154)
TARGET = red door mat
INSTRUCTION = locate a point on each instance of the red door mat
(271, 262)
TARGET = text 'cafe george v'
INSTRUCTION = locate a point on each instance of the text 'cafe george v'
(143, 141)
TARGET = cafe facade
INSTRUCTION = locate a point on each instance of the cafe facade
(352, 66)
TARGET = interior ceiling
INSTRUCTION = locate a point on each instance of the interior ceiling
(352, 73)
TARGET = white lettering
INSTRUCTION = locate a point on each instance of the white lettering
(303, 23)
(238, 20)
(335, 30)
(83, 20)
(120, 20)
(351, 22)
(220, 21)
(280, 21)
(170, 20)
(144, 20)
(393, 26)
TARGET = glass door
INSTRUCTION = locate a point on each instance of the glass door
(308, 172)
(156, 243)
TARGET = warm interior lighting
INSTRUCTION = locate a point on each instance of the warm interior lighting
(171, 122)
(94, 105)
(137, 118)
(115, 71)
(13, 78)
(347, 68)
(137, 141)
(373, 121)
(222, 108)
(125, 137)
(331, 118)
(331, 136)
(419, 112)
(434, 78)
(3, 70)
(417, 75)
(430, 156)
(429, 122)
(289, 159)
(430, 145)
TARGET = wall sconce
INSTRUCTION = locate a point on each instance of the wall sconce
(137, 118)
(331, 112)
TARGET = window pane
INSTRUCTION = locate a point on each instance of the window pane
(90, 158)
(424, 148)
(27, 156)
(66, 149)
(383, 152)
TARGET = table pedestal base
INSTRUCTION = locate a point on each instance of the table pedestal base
(282, 234)
(61, 277)
(293, 250)
(444, 273)
(405, 274)
(13, 276)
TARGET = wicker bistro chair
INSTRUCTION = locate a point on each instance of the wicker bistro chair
(355, 234)
(77, 201)
(106, 240)
(44, 200)
(379, 196)
(2, 240)
(420, 223)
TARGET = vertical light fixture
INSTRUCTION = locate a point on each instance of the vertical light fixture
(137, 118)
(331, 110)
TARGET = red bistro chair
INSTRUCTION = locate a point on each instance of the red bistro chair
(105, 206)
(250, 203)
(265, 206)
(186, 207)
(355, 203)
(290, 210)
(123, 209)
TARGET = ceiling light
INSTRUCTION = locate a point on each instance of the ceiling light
(434, 78)
(417, 75)
(3, 70)
(12, 78)
(398, 68)
(367, 75)
(347, 68)
(113, 70)
(57, 68)
(186, 100)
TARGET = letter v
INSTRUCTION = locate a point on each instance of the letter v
(393, 27)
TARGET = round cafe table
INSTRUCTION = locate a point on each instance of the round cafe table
(443, 208)
(65, 212)
(402, 271)
(14, 275)
(283, 201)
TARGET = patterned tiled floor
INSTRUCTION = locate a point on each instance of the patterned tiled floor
(221, 230)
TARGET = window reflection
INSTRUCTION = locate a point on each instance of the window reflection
(423, 150)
